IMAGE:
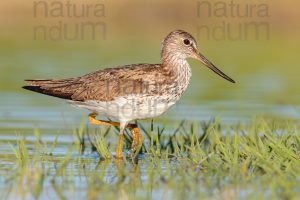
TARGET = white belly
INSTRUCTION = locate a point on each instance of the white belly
(130, 107)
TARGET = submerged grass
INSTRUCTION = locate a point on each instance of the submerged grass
(195, 161)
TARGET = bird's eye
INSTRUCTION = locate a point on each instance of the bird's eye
(186, 42)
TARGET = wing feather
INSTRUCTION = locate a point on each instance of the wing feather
(101, 85)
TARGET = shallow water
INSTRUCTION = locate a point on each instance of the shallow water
(22, 112)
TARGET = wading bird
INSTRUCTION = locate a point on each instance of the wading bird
(131, 92)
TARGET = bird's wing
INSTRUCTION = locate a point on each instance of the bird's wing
(102, 85)
(105, 85)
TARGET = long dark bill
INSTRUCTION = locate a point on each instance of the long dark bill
(213, 68)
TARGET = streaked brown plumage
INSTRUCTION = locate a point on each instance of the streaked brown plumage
(135, 85)
(104, 85)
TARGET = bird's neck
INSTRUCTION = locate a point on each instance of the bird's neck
(176, 66)
(179, 73)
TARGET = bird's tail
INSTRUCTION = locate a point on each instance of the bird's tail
(63, 88)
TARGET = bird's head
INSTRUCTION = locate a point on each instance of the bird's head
(181, 45)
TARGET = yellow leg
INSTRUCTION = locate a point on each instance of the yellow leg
(93, 120)
(136, 135)
(135, 131)
(119, 154)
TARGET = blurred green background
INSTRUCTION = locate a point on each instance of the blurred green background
(257, 43)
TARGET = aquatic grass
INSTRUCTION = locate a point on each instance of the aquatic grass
(101, 146)
(195, 160)
(29, 175)
(20, 151)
